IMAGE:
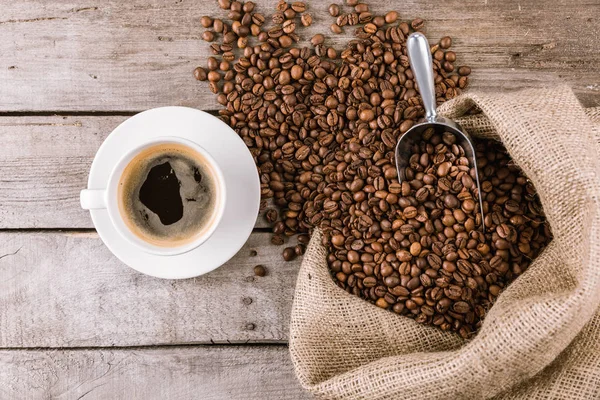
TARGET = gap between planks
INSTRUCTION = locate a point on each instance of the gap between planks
(153, 347)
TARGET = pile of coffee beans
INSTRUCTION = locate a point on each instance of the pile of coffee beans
(429, 256)
(322, 125)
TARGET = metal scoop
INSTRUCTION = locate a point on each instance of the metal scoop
(419, 55)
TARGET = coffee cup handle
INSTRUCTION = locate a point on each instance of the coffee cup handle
(92, 199)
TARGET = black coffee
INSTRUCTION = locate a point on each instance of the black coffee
(168, 195)
(160, 193)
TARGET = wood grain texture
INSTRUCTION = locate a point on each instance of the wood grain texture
(44, 163)
(207, 373)
(65, 289)
(133, 55)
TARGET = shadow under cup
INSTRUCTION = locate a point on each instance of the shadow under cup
(150, 179)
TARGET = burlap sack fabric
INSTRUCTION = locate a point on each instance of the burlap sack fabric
(541, 339)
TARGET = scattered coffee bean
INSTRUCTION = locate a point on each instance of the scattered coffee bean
(464, 71)
(299, 6)
(206, 21)
(417, 24)
(212, 63)
(236, 6)
(214, 76)
(278, 18)
(334, 10)
(282, 5)
(391, 17)
(445, 42)
(200, 74)
(370, 28)
(306, 19)
(242, 42)
(218, 26)
(208, 36)
(317, 39)
(271, 215)
(361, 7)
(290, 13)
(248, 7)
(450, 56)
(260, 270)
(289, 26)
(304, 239)
(299, 249)
(285, 41)
(289, 253)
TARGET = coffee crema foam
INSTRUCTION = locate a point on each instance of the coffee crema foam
(168, 195)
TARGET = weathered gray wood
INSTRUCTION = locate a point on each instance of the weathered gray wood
(65, 289)
(44, 162)
(208, 372)
(133, 55)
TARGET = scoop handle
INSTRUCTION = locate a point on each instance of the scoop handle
(419, 55)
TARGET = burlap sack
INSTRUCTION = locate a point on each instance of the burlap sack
(541, 339)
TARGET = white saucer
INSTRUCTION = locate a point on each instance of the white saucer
(241, 181)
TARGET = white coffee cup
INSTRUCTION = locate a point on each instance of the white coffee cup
(108, 198)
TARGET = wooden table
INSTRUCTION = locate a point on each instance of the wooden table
(74, 321)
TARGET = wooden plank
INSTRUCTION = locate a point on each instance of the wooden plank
(209, 372)
(133, 55)
(44, 162)
(65, 289)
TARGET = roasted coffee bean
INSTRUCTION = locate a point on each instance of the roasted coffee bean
(212, 63)
(278, 18)
(299, 249)
(290, 13)
(271, 215)
(200, 74)
(334, 10)
(317, 39)
(206, 21)
(370, 28)
(208, 36)
(417, 24)
(306, 19)
(299, 6)
(248, 6)
(391, 17)
(289, 253)
(445, 42)
(304, 239)
(260, 270)
(225, 4)
(289, 26)
(214, 76)
(352, 18)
